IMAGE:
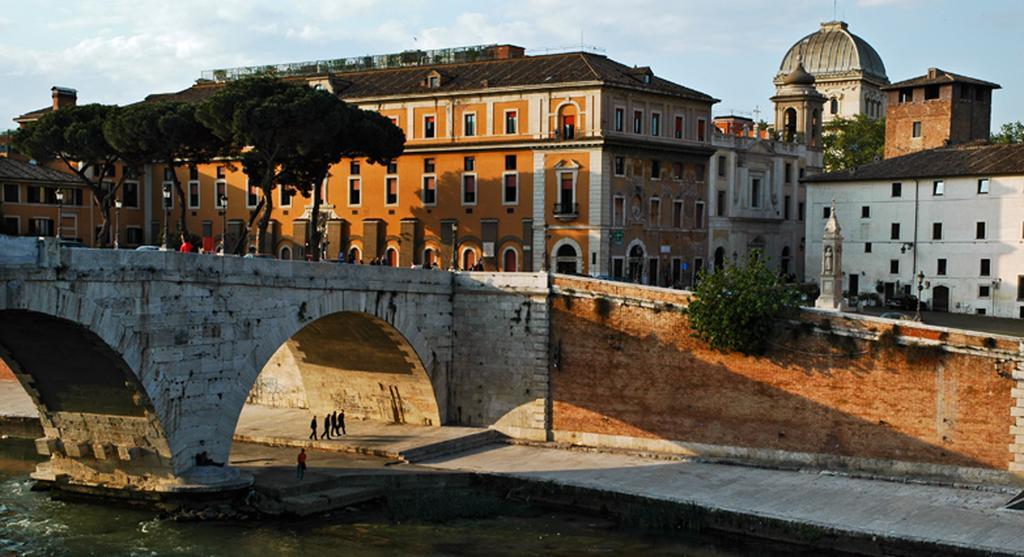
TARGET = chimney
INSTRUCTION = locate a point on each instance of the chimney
(63, 97)
(933, 73)
(506, 51)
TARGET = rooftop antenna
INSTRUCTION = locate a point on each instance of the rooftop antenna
(757, 113)
(835, 9)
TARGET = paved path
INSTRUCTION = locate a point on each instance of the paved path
(14, 401)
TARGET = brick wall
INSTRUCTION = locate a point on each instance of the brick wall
(627, 372)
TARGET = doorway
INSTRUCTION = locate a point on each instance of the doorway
(940, 298)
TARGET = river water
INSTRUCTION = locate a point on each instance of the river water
(32, 524)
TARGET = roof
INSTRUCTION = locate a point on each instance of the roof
(833, 50)
(34, 115)
(935, 76)
(970, 159)
(17, 171)
(526, 71)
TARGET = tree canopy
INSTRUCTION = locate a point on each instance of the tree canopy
(1010, 132)
(852, 142)
(735, 308)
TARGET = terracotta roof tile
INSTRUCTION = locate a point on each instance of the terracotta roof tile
(18, 171)
(974, 159)
(940, 77)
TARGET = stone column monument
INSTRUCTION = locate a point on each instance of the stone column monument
(831, 283)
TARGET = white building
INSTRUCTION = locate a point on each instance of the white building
(954, 215)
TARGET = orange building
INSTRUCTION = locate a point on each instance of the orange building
(569, 161)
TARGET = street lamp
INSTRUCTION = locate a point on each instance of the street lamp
(222, 200)
(167, 216)
(117, 230)
(920, 287)
(60, 213)
(455, 246)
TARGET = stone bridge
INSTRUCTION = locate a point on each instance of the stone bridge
(140, 362)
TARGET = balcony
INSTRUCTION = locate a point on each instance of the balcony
(567, 211)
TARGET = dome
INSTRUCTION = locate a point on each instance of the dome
(798, 76)
(834, 51)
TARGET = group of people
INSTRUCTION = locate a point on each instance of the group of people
(334, 424)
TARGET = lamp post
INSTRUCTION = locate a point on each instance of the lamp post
(167, 216)
(455, 246)
(117, 217)
(222, 200)
(920, 287)
(60, 213)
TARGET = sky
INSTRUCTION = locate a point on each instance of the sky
(117, 51)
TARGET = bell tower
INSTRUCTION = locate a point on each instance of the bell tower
(798, 108)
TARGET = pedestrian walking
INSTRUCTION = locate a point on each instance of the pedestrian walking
(300, 470)
(334, 424)
(312, 426)
(341, 421)
(327, 427)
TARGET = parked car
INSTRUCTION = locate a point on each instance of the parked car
(904, 302)
(148, 248)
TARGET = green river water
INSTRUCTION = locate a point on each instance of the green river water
(32, 524)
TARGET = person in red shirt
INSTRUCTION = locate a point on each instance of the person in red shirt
(301, 470)
(186, 246)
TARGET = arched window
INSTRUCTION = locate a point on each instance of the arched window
(391, 256)
(833, 106)
(510, 260)
(567, 121)
(354, 255)
(429, 258)
(815, 127)
(636, 263)
(468, 259)
(565, 260)
(286, 253)
(789, 122)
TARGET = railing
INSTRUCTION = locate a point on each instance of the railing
(567, 211)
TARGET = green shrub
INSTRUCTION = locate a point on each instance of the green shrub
(735, 308)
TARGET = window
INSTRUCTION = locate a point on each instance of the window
(392, 167)
(787, 201)
(867, 247)
(618, 211)
(429, 190)
(355, 191)
(429, 126)
(940, 267)
(434, 81)
(826, 212)
(755, 193)
(510, 162)
(720, 203)
(931, 92)
(133, 235)
(193, 194)
(938, 187)
(936, 231)
(915, 129)
(428, 166)
(655, 212)
(833, 106)
(620, 117)
(620, 166)
(285, 195)
(699, 171)
(984, 291)
(894, 231)
(222, 173)
(511, 189)
(11, 226)
(906, 95)
(979, 231)
(40, 227)
(701, 126)
(391, 190)
(251, 198)
(677, 213)
(469, 164)
(618, 265)
(511, 121)
(789, 172)
(983, 186)
(469, 189)
(655, 124)
(1020, 287)
(221, 191)
(638, 121)
(168, 174)
(130, 195)
(33, 195)
(800, 210)
(677, 171)
(986, 267)
(655, 169)
(469, 124)
(721, 165)
(980, 311)
(897, 189)
(12, 193)
(353, 168)
(679, 127)
(894, 266)
(865, 212)
(699, 214)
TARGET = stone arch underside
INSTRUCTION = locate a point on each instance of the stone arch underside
(99, 424)
(354, 362)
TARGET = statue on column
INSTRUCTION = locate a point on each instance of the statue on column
(831, 283)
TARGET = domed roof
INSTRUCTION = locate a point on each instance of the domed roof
(798, 76)
(834, 51)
